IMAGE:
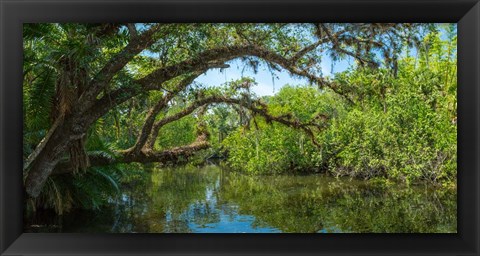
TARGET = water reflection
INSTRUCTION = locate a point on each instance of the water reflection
(212, 200)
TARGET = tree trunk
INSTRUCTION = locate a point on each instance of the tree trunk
(41, 145)
(55, 149)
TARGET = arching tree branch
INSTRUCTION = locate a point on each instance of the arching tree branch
(213, 58)
(153, 112)
(256, 106)
(115, 64)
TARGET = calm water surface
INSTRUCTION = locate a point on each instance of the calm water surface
(213, 200)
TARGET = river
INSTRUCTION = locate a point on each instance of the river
(213, 200)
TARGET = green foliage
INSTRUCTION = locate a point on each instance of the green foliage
(263, 148)
(407, 133)
(177, 133)
(400, 127)
(90, 190)
(274, 149)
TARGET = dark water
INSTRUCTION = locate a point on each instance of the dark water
(213, 200)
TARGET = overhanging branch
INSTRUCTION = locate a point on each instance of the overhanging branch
(115, 64)
(256, 106)
(172, 155)
(212, 58)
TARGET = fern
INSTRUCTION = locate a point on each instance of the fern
(38, 104)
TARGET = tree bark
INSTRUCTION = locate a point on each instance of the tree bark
(41, 145)
(53, 151)
(145, 156)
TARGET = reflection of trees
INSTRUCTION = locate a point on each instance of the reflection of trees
(171, 200)
(203, 213)
(174, 191)
(312, 204)
(163, 203)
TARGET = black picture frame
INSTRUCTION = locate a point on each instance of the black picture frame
(14, 13)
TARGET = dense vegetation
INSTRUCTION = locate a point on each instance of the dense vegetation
(401, 127)
(105, 102)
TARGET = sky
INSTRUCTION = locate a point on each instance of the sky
(268, 84)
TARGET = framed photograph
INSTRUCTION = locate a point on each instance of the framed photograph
(215, 127)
